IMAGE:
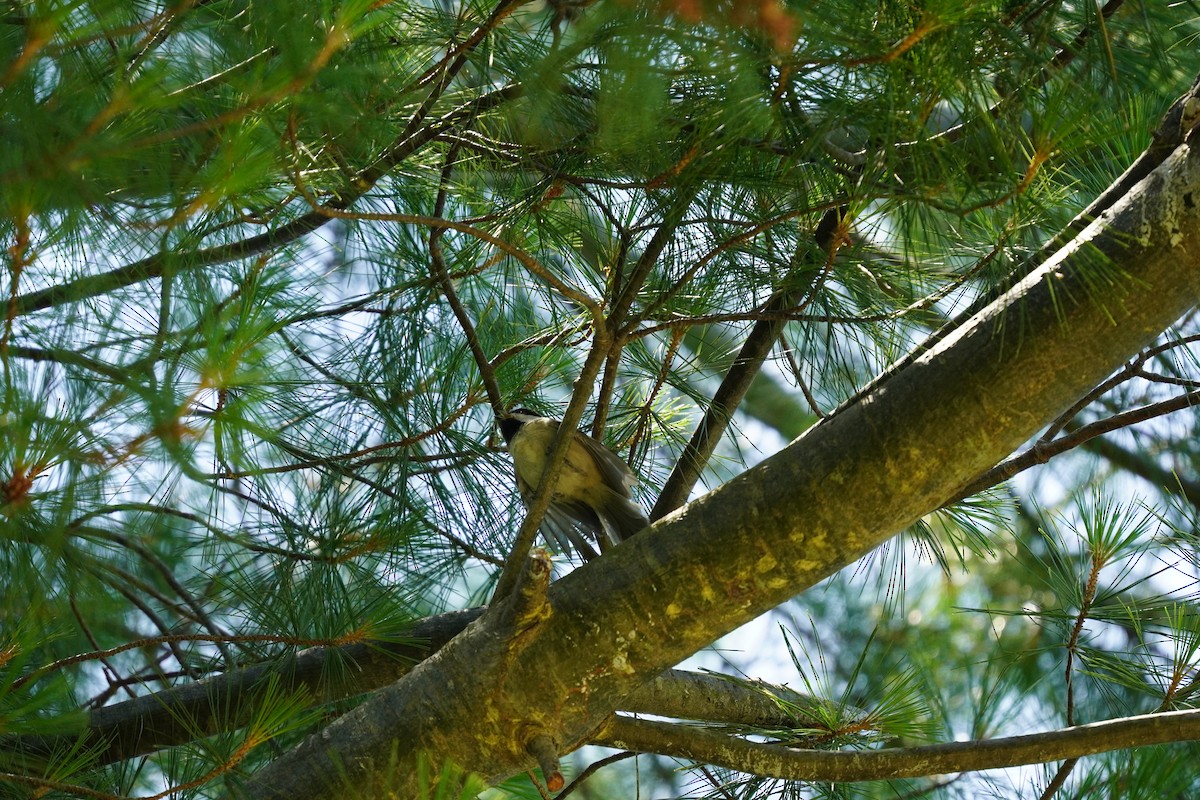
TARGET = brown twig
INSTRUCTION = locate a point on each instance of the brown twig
(591, 770)
(601, 341)
(798, 377)
(1041, 452)
(716, 784)
(741, 374)
(486, 374)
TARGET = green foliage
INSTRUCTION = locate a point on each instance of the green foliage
(241, 414)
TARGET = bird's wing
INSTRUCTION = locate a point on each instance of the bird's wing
(617, 474)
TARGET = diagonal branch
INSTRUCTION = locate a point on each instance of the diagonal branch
(745, 368)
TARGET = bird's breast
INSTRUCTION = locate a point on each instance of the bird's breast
(530, 450)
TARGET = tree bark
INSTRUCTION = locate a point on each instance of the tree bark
(899, 451)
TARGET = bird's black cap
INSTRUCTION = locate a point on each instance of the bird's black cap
(512, 421)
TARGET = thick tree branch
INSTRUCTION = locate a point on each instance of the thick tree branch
(227, 702)
(841, 766)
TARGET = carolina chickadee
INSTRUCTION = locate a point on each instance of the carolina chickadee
(592, 493)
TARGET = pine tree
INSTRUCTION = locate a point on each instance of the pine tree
(890, 307)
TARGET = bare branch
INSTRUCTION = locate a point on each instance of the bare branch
(1041, 452)
(824, 766)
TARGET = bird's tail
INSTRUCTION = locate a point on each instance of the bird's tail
(622, 518)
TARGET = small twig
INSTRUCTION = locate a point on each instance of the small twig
(1169, 380)
(122, 587)
(620, 316)
(1060, 777)
(1068, 53)
(789, 354)
(566, 429)
(1041, 452)
(486, 373)
(925, 26)
(716, 784)
(543, 748)
(149, 673)
(686, 277)
(541, 790)
(198, 613)
(591, 770)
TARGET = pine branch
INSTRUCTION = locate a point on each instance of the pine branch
(1172, 131)
(227, 702)
(824, 766)
(355, 188)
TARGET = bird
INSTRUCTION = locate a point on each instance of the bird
(592, 493)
